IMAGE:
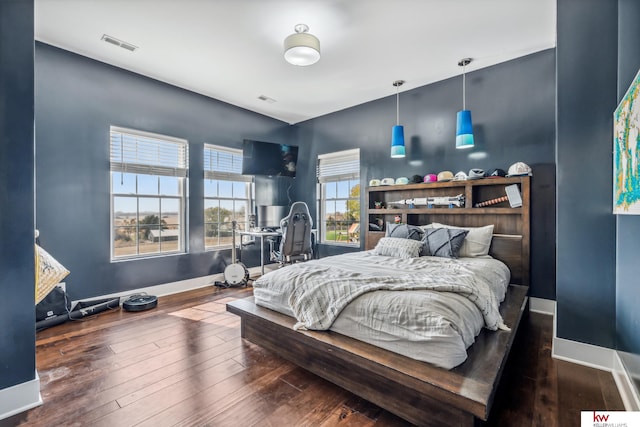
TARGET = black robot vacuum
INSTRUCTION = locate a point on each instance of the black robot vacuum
(140, 302)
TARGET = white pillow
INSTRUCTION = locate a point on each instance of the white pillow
(397, 247)
(476, 243)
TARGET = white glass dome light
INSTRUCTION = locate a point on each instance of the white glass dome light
(302, 48)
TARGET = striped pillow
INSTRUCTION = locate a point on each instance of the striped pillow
(443, 242)
(397, 247)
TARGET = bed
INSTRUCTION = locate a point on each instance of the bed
(358, 295)
(425, 389)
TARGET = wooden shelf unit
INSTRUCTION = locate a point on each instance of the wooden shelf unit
(506, 220)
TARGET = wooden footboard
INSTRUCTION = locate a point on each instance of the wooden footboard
(413, 390)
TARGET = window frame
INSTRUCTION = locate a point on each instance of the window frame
(335, 167)
(230, 173)
(158, 170)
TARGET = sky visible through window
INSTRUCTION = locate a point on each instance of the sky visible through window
(147, 185)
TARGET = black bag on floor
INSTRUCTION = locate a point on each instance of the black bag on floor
(54, 304)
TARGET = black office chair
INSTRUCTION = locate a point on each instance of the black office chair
(296, 242)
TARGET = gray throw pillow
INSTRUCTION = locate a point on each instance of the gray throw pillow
(399, 248)
(404, 231)
(443, 242)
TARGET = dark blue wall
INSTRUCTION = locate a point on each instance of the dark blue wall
(77, 100)
(628, 242)
(513, 108)
(587, 75)
(17, 330)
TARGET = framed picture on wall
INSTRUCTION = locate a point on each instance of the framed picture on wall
(626, 152)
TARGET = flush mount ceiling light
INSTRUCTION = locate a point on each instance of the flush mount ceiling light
(302, 48)
(464, 128)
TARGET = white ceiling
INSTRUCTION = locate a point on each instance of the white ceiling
(232, 50)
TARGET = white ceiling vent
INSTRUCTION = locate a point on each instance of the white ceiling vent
(266, 99)
(128, 46)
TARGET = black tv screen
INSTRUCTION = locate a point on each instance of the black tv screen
(268, 158)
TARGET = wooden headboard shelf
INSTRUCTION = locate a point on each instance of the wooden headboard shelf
(511, 225)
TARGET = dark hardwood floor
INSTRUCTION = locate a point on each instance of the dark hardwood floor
(184, 364)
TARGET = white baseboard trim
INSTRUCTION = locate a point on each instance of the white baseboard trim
(589, 355)
(163, 289)
(625, 386)
(172, 287)
(593, 356)
(20, 398)
(541, 305)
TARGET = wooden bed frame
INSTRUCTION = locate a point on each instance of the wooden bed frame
(413, 390)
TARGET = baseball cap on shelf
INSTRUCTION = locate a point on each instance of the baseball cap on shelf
(496, 173)
(519, 169)
(402, 181)
(476, 174)
(387, 181)
(460, 176)
(374, 183)
(416, 179)
(430, 177)
(445, 176)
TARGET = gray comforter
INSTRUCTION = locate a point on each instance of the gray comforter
(397, 304)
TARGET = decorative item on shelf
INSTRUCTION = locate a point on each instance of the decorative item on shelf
(464, 127)
(496, 173)
(378, 205)
(430, 177)
(476, 174)
(460, 176)
(397, 219)
(519, 169)
(415, 201)
(397, 133)
(445, 176)
(301, 48)
(446, 201)
(491, 202)
(513, 196)
(387, 181)
(374, 183)
(513, 193)
(417, 179)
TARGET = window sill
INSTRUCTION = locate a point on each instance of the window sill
(153, 256)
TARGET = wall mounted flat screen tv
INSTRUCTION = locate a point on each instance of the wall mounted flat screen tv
(268, 158)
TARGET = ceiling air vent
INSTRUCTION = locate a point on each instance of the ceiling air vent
(115, 41)
(266, 99)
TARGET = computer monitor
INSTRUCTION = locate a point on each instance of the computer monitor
(269, 216)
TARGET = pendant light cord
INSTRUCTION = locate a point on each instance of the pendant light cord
(464, 87)
(397, 104)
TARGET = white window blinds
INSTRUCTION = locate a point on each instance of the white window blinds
(141, 152)
(223, 163)
(339, 166)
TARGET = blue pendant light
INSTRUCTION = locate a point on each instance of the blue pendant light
(397, 133)
(464, 127)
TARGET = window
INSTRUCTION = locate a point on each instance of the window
(148, 186)
(227, 195)
(339, 190)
